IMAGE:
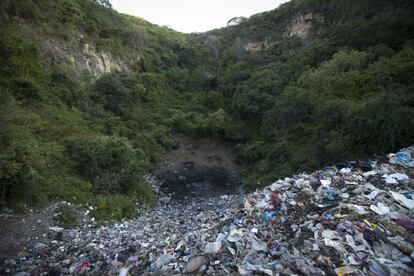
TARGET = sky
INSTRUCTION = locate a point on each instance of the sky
(193, 15)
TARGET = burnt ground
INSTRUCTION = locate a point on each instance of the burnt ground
(199, 168)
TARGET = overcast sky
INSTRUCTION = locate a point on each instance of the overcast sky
(193, 15)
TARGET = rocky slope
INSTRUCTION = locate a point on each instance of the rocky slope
(357, 219)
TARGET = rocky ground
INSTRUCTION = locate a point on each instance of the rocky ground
(351, 220)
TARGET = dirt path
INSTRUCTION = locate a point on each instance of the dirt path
(18, 233)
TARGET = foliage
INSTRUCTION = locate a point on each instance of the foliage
(113, 207)
(113, 95)
(65, 216)
(19, 169)
(109, 162)
(296, 104)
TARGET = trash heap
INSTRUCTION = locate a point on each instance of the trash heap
(357, 219)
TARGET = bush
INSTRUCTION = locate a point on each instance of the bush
(21, 163)
(215, 124)
(382, 124)
(251, 152)
(114, 207)
(113, 95)
(26, 9)
(109, 162)
(70, 188)
(212, 100)
(25, 89)
(65, 216)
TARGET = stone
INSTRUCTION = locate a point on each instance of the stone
(38, 248)
(59, 236)
(194, 264)
(213, 247)
(175, 146)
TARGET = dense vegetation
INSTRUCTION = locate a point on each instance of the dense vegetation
(298, 104)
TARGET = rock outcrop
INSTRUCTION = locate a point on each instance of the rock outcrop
(77, 52)
(254, 46)
(302, 23)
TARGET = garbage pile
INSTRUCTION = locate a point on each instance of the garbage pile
(404, 157)
(352, 220)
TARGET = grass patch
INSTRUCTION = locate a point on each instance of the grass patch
(114, 207)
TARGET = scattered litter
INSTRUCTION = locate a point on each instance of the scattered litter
(213, 247)
(380, 209)
(409, 203)
(325, 182)
(399, 176)
(406, 223)
(268, 216)
(369, 173)
(404, 157)
(345, 270)
(259, 245)
(345, 170)
(372, 195)
(354, 221)
(194, 264)
(390, 180)
(235, 235)
(56, 228)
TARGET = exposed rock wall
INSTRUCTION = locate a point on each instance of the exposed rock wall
(78, 53)
(97, 62)
(254, 46)
(302, 23)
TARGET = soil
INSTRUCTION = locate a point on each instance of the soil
(203, 152)
(199, 168)
(18, 233)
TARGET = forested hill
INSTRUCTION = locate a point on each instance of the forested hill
(89, 98)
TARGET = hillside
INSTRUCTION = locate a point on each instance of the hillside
(90, 99)
(62, 110)
(99, 111)
(314, 83)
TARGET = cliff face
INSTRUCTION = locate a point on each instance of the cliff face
(85, 57)
(258, 45)
(79, 53)
(302, 23)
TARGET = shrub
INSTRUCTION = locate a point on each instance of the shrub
(114, 207)
(109, 162)
(113, 95)
(65, 216)
(21, 163)
(215, 124)
(25, 89)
